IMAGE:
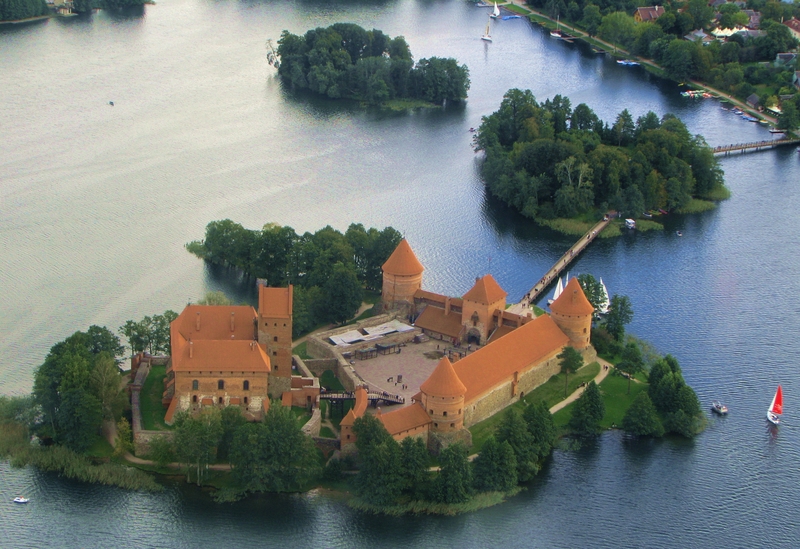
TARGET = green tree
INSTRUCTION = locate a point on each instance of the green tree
(619, 28)
(570, 361)
(593, 290)
(592, 18)
(162, 451)
(196, 438)
(701, 13)
(632, 362)
(231, 419)
(513, 430)
(124, 442)
(101, 339)
(107, 386)
(619, 315)
(380, 477)
(588, 411)
(641, 419)
(414, 458)
(215, 297)
(541, 427)
(343, 294)
(273, 456)
(453, 483)
(495, 468)
(678, 60)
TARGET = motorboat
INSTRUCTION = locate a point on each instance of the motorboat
(20, 499)
(719, 408)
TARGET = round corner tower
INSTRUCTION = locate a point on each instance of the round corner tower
(443, 398)
(572, 312)
(402, 276)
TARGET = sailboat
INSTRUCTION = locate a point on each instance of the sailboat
(603, 308)
(776, 408)
(557, 292)
(496, 13)
(557, 32)
(486, 36)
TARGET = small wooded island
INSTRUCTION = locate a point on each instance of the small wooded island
(235, 407)
(347, 61)
(547, 161)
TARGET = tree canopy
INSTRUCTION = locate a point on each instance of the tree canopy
(588, 411)
(540, 166)
(345, 60)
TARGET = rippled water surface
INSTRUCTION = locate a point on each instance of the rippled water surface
(96, 203)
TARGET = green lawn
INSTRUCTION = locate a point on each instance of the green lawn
(550, 392)
(301, 351)
(150, 400)
(329, 380)
(614, 389)
(301, 414)
(326, 432)
(100, 448)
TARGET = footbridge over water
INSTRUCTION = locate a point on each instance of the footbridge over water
(754, 146)
(564, 261)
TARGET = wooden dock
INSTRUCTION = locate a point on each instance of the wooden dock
(755, 146)
(531, 296)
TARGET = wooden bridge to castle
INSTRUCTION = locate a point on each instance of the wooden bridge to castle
(754, 146)
(373, 397)
(562, 263)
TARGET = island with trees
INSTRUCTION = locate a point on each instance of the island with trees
(347, 61)
(548, 161)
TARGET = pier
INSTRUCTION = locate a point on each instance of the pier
(755, 146)
(560, 265)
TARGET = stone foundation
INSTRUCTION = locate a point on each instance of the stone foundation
(439, 441)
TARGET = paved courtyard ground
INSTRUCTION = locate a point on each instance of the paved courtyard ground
(414, 362)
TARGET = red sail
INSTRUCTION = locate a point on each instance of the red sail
(777, 404)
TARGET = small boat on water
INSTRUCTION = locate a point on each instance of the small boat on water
(679, 233)
(749, 118)
(627, 63)
(20, 499)
(496, 12)
(507, 17)
(486, 36)
(719, 408)
(557, 32)
(602, 308)
(776, 408)
(776, 130)
(557, 292)
(738, 111)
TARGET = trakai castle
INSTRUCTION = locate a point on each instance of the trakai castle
(514, 355)
(237, 356)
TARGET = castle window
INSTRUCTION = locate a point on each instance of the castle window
(276, 325)
(284, 325)
(459, 411)
(245, 400)
(220, 385)
(348, 437)
(246, 385)
(431, 412)
(444, 414)
(220, 400)
(194, 399)
(274, 353)
(452, 425)
(435, 424)
(276, 338)
(195, 385)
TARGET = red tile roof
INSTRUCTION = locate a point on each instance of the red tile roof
(650, 13)
(572, 300)
(275, 302)
(486, 291)
(405, 419)
(500, 332)
(434, 319)
(214, 322)
(496, 362)
(362, 399)
(443, 382)
(403, 261)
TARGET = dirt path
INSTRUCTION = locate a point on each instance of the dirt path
(605, 367)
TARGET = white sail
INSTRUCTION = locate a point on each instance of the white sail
(603, 308)
(496, 12)
(557, 292)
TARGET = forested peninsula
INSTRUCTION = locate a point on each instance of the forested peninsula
(347, 61)
(547, 160)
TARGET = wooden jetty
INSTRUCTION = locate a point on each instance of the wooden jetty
(561, 264)
(755, 146)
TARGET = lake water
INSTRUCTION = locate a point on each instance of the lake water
(96, 203)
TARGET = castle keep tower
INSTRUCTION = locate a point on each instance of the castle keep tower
(572, 312)
(275, 333)
(480, 302)
(443, 398)
(402, 276)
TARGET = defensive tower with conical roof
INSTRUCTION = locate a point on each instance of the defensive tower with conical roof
(443, 398)
(572, 312)
(402, 276)
(480, 303)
